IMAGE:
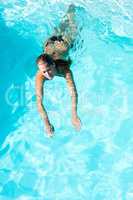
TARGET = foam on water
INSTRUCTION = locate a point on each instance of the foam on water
(97, 162)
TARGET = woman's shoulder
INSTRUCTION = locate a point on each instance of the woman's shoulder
(39, 76)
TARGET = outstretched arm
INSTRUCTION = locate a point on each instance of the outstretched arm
(39, 93)
(74, 96)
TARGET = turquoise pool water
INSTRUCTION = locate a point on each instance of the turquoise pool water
(97, 162)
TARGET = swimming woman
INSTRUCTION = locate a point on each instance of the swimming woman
(53, 63)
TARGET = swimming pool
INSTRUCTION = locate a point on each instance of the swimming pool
(95, 163)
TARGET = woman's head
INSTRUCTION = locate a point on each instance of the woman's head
(46, 65)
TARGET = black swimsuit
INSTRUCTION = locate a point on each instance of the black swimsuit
(52, 39)
(62, 66)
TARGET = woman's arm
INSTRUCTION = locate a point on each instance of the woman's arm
(39, 94)
(74, 96)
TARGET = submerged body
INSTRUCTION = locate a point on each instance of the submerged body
(50, 64)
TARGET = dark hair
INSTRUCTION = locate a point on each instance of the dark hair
(45, 58)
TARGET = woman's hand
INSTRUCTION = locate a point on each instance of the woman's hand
(49, 129)
(76, 123)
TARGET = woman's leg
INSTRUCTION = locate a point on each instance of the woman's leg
(68, 28)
